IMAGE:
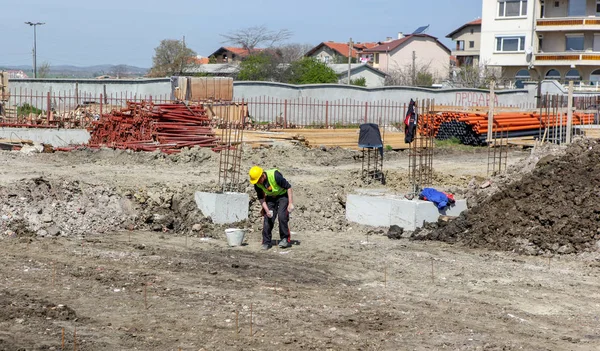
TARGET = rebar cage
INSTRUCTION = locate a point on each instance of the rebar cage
(498, 151)
(372, 165)
(230, 159)
(420, 157)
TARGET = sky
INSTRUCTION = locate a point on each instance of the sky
(86, 33)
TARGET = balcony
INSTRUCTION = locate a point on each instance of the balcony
(567, 58)
(568, 24)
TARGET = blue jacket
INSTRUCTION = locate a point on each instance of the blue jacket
(437, 197)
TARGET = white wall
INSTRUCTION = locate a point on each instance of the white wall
(372, 79)
(493, 26)
(427, 53)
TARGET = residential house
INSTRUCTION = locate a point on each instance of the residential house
(16, 74)
(531, 39)
(373, 77)
(468, 39)
(420, 50)
(229, 54)
(332, 52)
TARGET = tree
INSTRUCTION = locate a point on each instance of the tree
(310, 71)
(118, 71)
(361, 82)
(44, 70)
(260, 66)
(253, 37)
(171, 57)
(410, 75)
(289, 53)
(212, 59)
(478, 76)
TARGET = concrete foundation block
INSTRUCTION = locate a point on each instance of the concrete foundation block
(223, 208)
(383, 210)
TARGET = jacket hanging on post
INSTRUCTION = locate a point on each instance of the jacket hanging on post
(410, 123)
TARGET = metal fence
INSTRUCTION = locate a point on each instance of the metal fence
(74, 109)
(68, 109)
(315, 113)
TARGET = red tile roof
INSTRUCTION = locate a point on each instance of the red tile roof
(342, 48)
(199, 61)
(476, 22)
(392, 45)
(241, 52)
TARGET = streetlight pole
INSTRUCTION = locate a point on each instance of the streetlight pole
(34, 25)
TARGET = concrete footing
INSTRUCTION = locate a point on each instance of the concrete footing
(223, 208)
(54, 137)
(378, 209)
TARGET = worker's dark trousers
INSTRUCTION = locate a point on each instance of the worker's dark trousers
(279, 207)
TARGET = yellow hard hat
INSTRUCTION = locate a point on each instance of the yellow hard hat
(255, 174)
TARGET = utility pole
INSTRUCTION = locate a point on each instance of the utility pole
(34, 25)
(387, 55)
(349, 59)
(414, 69)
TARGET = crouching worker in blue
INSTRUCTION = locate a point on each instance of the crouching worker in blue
(276, 201)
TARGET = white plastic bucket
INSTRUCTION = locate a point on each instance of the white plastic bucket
(235, 236)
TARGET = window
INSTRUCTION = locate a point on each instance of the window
(512, 8)
(573, 75)
(577, 8)
(523, 75)
(542, 9)
(510, 44)
(595, 76)
(553, 74)
(574, 42)
(376, 58)
(597, 7)
(460, 45)
(471, 44)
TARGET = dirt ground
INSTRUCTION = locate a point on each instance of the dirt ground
(107, 247)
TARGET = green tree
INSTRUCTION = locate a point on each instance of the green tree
(171, 57)
(361, 82)
(310, 71)
(424, 79)
(212, 59)
(259, 67)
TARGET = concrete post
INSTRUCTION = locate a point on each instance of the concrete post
(570, 114)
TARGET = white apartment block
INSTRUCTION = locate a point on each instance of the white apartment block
(557, 39)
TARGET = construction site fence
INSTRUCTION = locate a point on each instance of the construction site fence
(73, 109)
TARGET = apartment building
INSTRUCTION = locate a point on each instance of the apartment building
(556, 39)
(467, 39)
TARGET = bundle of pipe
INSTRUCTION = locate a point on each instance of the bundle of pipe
(144, 126)
(472, 128)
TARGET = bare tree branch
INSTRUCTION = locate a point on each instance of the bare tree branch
(293, 52)
(252, 37)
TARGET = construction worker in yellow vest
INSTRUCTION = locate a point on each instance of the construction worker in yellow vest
(276, 201)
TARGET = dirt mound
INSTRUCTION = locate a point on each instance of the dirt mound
(50, 207)
(553, 210)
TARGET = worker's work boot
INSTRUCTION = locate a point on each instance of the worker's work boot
(284, 244)
(265, 247)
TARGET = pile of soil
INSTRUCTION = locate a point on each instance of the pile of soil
(53, 207)
(554, 210)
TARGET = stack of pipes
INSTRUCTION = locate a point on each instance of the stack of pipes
(144, 126)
